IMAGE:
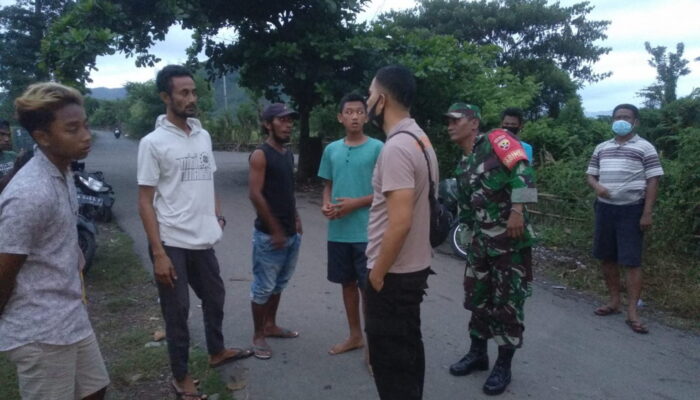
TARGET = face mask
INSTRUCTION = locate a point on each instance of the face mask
(514, 130)
(621, 127)
(376, 119)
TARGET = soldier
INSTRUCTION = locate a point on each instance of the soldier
(494, 181)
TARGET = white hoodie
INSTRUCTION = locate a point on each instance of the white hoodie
(181, 167)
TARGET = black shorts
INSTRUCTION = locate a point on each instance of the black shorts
(347, 263)
(618, 237)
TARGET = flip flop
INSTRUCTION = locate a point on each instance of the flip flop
(181, 394)
(605, 311)
(262, 352)
(238, 355)
(283, 334)
(637, 326)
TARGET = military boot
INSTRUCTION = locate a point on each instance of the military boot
(476, 359)
(500, 376)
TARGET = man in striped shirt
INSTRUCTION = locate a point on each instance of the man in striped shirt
(624, 172)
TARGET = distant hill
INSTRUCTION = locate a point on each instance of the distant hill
(103, 93)
(594, 114)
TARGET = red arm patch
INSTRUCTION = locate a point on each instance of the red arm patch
(507, 147)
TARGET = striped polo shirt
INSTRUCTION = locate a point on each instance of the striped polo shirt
(624, 169)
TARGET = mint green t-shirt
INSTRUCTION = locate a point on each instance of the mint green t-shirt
(350, 169)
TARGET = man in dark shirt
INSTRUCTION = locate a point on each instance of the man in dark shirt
(277, 234)
(7, 156)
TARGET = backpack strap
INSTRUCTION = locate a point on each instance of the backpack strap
(431, 190)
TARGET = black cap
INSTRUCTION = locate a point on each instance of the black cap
(277, 110)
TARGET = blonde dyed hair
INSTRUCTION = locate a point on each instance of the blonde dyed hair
(35, 109)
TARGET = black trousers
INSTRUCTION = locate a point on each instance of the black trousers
(392, 324)
(198, 269)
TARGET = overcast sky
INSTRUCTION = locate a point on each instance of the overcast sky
(633, 22)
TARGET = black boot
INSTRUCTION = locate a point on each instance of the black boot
(476, 359)
(499, 379)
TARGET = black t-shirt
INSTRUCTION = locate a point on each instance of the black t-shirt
(278, 189)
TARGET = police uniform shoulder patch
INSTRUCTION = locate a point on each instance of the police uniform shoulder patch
(507, 147)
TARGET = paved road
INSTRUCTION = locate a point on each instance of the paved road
(568, 354)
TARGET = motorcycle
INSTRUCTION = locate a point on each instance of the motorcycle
(117, 133)
(86, 240)
(460, 235)
(95, 197)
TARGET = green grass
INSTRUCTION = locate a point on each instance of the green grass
(124, 314)
(8, 377)
(671, 281)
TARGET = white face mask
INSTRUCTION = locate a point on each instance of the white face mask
(621, 127)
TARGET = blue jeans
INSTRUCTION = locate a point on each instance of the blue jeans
(272, 268)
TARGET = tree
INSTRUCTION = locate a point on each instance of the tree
(538, 39)
(669, 67)
(446, 71)
(293, 47)
(22, 27)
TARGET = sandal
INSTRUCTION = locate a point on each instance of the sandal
(605, 311)
(238, 354)
(262, 352)
(637, 326)
(181, 394)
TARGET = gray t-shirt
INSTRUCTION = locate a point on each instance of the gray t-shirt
(38, 217)
(402, 165)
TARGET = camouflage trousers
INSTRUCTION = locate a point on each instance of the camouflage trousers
(495, 289)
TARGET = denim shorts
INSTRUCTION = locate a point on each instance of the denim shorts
(347, 263)
(618, 237)
(272, 268)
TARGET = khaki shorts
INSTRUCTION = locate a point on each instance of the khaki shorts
(50, 372)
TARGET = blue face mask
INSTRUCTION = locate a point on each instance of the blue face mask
(621, 127)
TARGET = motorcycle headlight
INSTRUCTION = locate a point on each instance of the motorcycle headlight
(93, 184)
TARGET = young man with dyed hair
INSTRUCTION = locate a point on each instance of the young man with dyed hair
(44, 325)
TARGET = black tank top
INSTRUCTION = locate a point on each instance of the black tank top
(278, 189)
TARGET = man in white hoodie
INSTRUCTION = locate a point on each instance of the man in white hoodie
(183, 221)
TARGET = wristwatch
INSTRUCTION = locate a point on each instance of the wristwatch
(221, 218)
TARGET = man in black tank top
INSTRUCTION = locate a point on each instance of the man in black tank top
(277, 233)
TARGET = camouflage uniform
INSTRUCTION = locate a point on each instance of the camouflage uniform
(498, 275)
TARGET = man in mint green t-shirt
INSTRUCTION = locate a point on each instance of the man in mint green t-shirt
(347, 165)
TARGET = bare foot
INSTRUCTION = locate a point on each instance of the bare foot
(347, 345)
(282, 333)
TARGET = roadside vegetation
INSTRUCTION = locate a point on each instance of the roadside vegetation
(564, 216)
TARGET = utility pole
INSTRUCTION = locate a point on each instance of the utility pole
(225, 95)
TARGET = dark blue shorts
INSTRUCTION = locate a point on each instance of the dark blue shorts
(347, 263)
(618, 237)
